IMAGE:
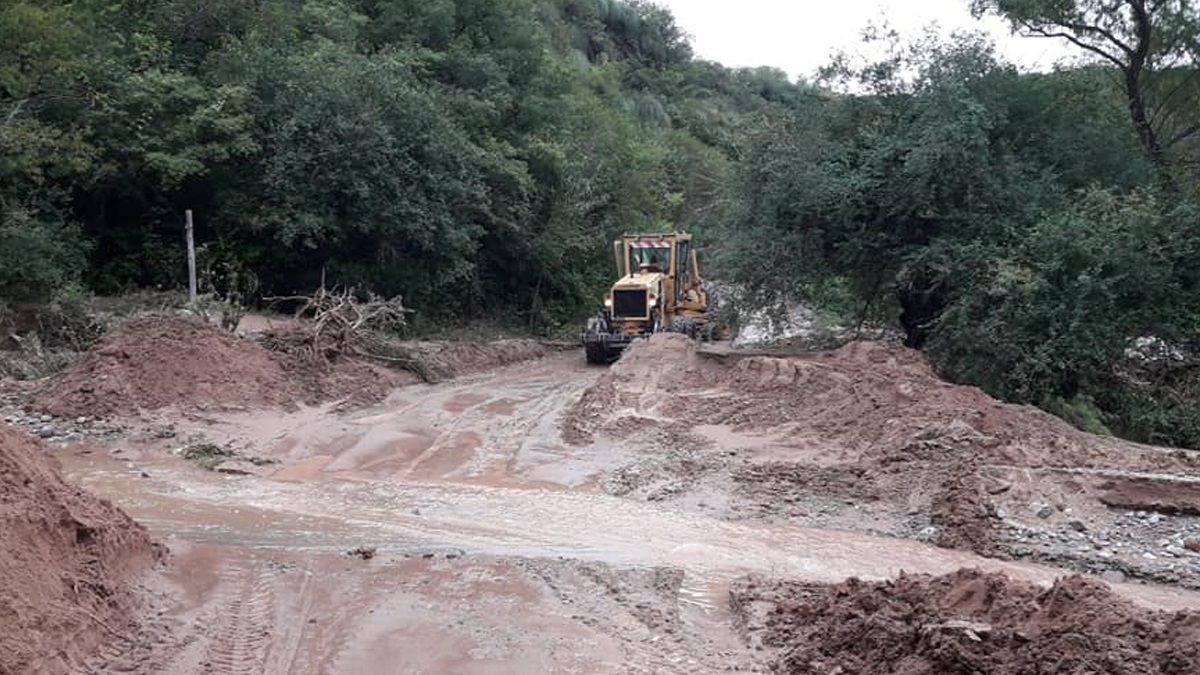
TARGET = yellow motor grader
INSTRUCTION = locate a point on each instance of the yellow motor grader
(659, 289)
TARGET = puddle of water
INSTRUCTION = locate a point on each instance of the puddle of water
(402, 518)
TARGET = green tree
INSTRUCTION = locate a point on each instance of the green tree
(1152, 44)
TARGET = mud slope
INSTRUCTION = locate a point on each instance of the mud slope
(966, 622)
(870, 426)
(160, 360)
(866, 399)
(66, 562)
(163, 360)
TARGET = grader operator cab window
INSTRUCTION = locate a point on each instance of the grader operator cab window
(650, 257)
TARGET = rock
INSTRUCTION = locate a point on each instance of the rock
(996, 487)
(1192, 545)
(81, 420)
(362, 552)
(1113, 576)
(47, 432)
(1077, 525)
(1156, 518)
(1000, 513)
(1041, 510)
(45, 418)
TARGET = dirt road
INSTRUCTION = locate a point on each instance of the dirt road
(491, 544)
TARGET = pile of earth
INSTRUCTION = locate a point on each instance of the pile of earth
(964, 623)
(866, 399)
(450, 359)
(67, 562)
(161, 360)
(870, 421)
(164, 360)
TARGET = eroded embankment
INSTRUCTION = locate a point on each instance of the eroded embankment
(966, 622)
(163, 360)
(869, 424)
(67, 561)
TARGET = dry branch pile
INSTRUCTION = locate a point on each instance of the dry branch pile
(348, 323)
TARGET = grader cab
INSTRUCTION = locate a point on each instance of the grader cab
(659, 288)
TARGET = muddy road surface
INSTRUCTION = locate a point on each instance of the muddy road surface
(489, 535)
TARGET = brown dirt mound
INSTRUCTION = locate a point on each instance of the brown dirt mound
(967, 623)
(66, 562)
(876, 413)
(155, 361)
(866, 399)
(162, 360)
(446, 360)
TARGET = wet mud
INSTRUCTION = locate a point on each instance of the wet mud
(545, 516)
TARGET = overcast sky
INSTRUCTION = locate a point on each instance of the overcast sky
(798, 36)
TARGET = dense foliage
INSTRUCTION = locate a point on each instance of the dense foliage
(473, 155)
(1036, 233)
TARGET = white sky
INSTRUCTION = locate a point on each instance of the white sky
(798, 36)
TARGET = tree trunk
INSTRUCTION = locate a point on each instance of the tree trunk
(922, 296)
(1134, 72)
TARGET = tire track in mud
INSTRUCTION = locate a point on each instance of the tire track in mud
(243, 627)
(500, 440)
(285, 649)
(648, 612)
(512, 439)
(231, 633)
(143, 652)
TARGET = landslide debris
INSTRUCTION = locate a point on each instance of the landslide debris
(867, 433)
(865, 400)
(163, 360)
(964, 623)
(160, 360)
(67, 560)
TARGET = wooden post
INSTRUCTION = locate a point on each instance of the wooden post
(191, 251)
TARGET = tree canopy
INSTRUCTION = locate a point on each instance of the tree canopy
(473, 155)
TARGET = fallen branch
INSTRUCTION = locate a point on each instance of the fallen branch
(346, 322)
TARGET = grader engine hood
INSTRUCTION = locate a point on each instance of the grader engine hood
(634, 296)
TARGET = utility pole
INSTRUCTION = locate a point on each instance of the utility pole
(191, 251)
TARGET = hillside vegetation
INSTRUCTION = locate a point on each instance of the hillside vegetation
(473, 155)
(1036, 234)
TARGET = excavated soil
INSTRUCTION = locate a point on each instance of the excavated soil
(159, 361)
(447, 360)
(67, 561)
(867, 399)
(156, 361)
(868, 425)
(964, 623)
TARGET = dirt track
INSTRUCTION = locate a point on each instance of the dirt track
(499, 546)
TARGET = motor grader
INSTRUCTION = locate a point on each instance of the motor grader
(659, 289)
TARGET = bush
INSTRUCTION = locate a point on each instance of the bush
(37, 257)
(1054, 322)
